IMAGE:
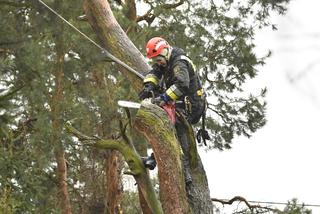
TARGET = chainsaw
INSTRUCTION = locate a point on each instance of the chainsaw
(170, 108)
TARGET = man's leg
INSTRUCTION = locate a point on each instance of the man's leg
(183, 140)
(149, 162)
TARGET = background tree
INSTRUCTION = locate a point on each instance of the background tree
(40, 57)
(293, 207)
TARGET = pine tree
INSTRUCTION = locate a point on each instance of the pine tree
(59, 84)
(39, 54)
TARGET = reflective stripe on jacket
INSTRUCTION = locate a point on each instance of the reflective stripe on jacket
(179, 77)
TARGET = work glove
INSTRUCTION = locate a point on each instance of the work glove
(161, 100)
(147, 90)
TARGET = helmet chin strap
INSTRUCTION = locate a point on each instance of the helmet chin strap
(169, 52)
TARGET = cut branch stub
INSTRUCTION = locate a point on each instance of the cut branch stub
(153, 122)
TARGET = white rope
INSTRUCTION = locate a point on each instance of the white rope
(107, 53)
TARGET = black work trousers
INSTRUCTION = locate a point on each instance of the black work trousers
(181, 130)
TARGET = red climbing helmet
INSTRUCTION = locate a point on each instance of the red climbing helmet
(155, 46)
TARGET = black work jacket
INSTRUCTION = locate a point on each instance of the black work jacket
(180, 79)
(179, 75)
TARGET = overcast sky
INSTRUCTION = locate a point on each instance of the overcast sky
(281, 160)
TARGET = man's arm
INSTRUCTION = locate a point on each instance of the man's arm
(154, 75)
(150, 82)
(181, 80)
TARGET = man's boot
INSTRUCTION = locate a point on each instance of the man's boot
(187, 174)
(149, 162)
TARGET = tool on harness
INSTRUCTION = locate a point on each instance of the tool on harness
(202, 133)
(187, 105)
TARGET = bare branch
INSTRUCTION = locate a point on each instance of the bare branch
(148, 17)
(217, 112)
(242, 199)
(171, 6)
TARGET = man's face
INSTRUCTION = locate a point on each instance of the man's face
(160, 60)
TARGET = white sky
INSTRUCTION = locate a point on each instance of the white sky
(280, 161)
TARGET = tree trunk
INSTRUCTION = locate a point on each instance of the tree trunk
(56, 114)
(154, 124)
(115, 40)
(137, 169)
(113, 182)
(113, 161)
(199, 193)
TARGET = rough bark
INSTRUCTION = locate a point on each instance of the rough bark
(114, 39)
(132, 10)
(56, 106)
(198, 193)
(137, 169)
(113, 183)
(154, 124)
(131, 15)
(113, 161)
(143, 203)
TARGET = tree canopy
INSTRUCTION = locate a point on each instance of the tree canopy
(50, 74)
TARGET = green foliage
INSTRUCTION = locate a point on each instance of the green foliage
(218, 37)
(293, 207)
(28, 61)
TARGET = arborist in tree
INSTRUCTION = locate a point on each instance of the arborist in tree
(173, 78)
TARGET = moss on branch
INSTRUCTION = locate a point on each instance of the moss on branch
(153, 122)
(133, 160)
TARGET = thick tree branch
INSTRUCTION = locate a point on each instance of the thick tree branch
(148, 17)
(152, 121)
(131, 9)
(133, 160)
(124, 148)
(114, 39)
